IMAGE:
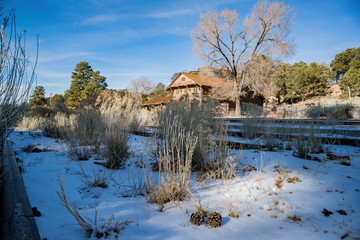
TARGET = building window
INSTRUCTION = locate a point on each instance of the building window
(177, 91)
(183, 78)
(185, 90)
(195, 89)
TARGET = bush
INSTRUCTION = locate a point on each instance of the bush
(41, 111)
(115, 105)
(181, 121)
(338, 111)
(32, 123)
(305, 145)
(116, 145)
(89, 127)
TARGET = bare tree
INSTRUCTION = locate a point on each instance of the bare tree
(260, 76)
(15, 78)
(222, 42)
(142, 85)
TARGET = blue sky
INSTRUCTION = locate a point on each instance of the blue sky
(127, 39)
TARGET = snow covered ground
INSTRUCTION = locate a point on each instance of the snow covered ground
(282, 198)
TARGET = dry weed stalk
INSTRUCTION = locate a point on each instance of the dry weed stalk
(174, 161)
(100, 178)
(131, 186)
(197, 206)
(104, 229)
(234, 211)
(85, 223)
(79, 153)
(298, 218)
(116, 145)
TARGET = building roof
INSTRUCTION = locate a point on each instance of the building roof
(202, 80)
(158, 100)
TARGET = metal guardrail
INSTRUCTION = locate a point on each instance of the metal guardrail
(17, 222)
(342, 132)
(297, 121)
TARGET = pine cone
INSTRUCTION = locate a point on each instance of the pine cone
(197, 218)
(214, 219)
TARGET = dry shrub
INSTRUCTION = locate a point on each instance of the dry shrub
(60, 126)
(89, 127)
(234, 211)
(79, 153)
(174, 161)
(99, 179)
(121, 104)
(193, 119)
(116, 145)
(31, 123)
(337, 111)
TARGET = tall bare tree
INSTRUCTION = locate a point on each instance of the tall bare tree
(142, 85)
(16, 78)
(221, 41)
(261, 78)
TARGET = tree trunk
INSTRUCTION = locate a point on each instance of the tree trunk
(237, 106)
(237, 91)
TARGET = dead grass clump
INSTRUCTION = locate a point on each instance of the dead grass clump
(164, 191)
(295, 217)
(79, 153)
(234, 211)
(91, 226)
(116, 145)
(174, 171)
(174, 161)
(293, 179)
(210, 154)
(123, 105)
(298, 218)
(99, 179)
(89, 127)
(279, 182)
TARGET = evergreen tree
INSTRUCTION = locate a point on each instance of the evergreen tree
(280, 75)
(160, 91)
(38, 97)
(85, 83)
(343, 61)
(307, 81)
(350, 82)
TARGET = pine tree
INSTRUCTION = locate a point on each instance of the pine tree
(85, 83)
(160, 91)
(306, 81)
(38, 97)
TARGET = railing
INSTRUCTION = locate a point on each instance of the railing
(17, 220)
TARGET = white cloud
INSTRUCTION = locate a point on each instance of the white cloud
(100, 19)
(170, 14)
(53, 74)
(50, 57)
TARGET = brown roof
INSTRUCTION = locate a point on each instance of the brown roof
(158, 100)
(203, 80)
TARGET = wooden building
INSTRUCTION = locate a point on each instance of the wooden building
(196, 86)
